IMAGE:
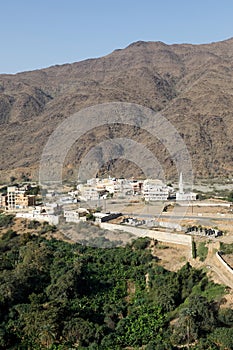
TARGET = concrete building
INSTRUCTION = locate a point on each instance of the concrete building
(18, 199)
(39, 215)
(88, 193)
(154, 190)
(75, 215)
(104, 217)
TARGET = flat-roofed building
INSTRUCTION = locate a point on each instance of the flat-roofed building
(18, 199)
(155, 190)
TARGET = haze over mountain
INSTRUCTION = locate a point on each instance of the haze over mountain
(191, 85)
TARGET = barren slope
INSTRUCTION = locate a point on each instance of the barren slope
(192, 85)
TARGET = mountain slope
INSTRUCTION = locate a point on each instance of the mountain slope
(191, 85)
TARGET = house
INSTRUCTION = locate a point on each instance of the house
(88, 193)
(76, 215)
(39, 214)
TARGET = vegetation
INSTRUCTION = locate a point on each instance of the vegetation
(202, 251)
(194, 249)
(6, 220)
(56, 295)
(230, 196)
(3, 190)
(33, 190)
(226, 248)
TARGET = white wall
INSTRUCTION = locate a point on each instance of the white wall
(168, 237)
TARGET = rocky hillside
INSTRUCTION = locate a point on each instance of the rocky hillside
(191, 85)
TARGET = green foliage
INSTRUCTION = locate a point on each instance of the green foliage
(230, 197)
(195, 320)
(33, 190)
(90, 217)
(223, 338)
(142, 325)
(56, 295)
(6, 220)
(141, 243)
(33, 224)
(202, 251)
(9, 235)
(226, 248)
(3, 190)
(214, 291)
(46, 227)
(194, 249)
(226, 317)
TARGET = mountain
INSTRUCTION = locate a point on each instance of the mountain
(191, 85)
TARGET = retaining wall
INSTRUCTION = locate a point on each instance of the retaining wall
(159, 235)
(224, 263)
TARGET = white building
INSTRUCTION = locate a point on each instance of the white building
(75, 215)
(87, 192)
(155, 190)
(38, 215)
(181, 195)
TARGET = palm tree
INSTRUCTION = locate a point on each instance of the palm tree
(47, 335)
(187, 317)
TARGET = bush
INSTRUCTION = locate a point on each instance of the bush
(48, 228)
(226, 248)
(141, 243)
(202, 251)
(9, 235)
(6, 220)
(230, 197)
(33, 191)
(34, 224)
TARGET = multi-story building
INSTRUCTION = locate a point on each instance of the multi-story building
(89, 194)
(155, 190)
(18, 199)
(75, 215)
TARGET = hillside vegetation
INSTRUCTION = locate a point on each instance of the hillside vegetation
(57, 295)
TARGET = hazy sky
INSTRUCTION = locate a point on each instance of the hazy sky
(41, 33)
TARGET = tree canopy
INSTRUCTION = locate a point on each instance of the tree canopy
(57, 295)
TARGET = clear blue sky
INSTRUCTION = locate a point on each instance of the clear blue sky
(41, 33)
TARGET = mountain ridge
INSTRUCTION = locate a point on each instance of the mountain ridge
(192, 85)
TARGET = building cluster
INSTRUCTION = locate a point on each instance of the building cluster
(81, 214)
(19, 199)
(150, 190)
(96, 188)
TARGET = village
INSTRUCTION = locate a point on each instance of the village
(129, 202)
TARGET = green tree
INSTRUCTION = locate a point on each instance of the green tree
(223, 338)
